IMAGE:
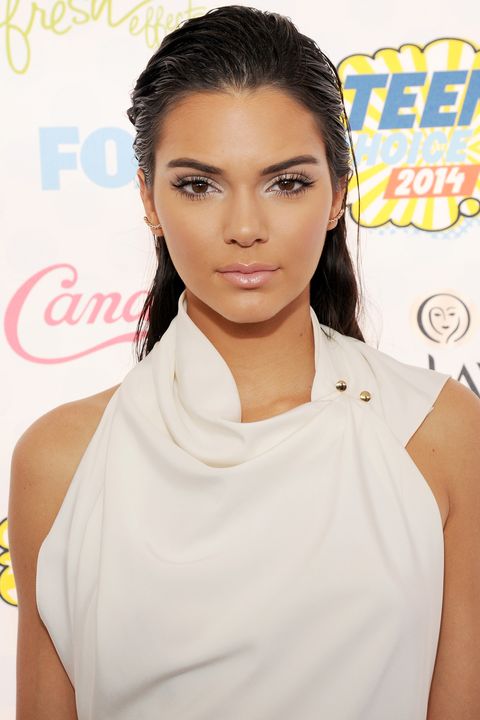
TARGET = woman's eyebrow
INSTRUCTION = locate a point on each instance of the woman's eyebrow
(197, 165)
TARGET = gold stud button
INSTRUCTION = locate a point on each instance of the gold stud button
(341, 385)
(365, 395)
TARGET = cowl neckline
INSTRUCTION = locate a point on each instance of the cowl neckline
(199, 402)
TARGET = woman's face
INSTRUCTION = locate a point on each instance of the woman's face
(240, 209)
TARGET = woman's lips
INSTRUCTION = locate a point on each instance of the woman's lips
(250, 279)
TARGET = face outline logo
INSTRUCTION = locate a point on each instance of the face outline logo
(443, 318)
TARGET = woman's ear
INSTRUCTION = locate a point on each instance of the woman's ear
(146, 194)
(341, 191)
(338, 196)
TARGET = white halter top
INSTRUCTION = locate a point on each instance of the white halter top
(201, 568)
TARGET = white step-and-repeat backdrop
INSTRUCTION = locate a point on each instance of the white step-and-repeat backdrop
(77, 258)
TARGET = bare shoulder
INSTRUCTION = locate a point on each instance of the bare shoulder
(43, 463)
(48, 452)
(62, 433)
(457, 425)
(83, 415)
(446, 446)
(453, 432)
(46, 456)
(96, 403)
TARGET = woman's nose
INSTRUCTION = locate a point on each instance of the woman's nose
(245, 223)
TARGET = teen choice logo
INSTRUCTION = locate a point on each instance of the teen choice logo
(415, 119)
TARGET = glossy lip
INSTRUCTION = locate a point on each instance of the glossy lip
(241, 267)
(248, 280)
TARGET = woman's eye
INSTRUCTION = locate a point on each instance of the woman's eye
(181, 183)
(287, 183)
(203, 184)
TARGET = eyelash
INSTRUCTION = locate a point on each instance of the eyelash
(181, 182)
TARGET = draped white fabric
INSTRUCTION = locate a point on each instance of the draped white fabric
(201, 568)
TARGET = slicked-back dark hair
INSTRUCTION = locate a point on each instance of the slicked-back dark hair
(233, 48)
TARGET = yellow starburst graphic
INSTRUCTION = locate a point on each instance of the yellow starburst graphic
(8, 591)
(415, 119)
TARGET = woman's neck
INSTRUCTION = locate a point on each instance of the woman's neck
(273, 362)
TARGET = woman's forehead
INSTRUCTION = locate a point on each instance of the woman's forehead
(260, 128)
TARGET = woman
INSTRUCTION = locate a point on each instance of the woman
(254, 520)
